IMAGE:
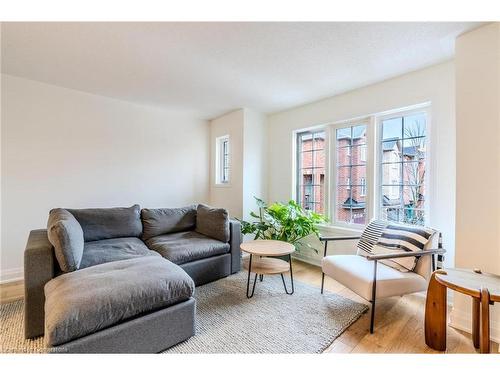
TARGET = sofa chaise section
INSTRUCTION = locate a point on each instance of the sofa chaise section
(97, 308)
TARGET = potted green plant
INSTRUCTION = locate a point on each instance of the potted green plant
(287, 222)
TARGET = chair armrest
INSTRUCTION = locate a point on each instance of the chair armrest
(405, 255)
(338, 238)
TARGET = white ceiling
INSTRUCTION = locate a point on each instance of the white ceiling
(211, 68)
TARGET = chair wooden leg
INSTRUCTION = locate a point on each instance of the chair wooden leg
(322, 281)
(435, 314)
(485, 321)
(476, 306)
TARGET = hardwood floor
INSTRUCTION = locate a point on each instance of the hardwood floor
(10, 292)
(399, 321)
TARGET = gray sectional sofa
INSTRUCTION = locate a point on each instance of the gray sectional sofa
(123, 279)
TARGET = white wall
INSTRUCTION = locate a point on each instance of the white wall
(247, 159)
(64, 148)
(230, 195)
(435, 84)
(255, 160)
(478, 162)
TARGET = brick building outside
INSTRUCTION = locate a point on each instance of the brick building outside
(403, 172)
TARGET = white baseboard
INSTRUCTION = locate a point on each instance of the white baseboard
(11, 274)
(463, 322)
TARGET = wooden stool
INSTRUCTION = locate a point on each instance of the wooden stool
(484, 288)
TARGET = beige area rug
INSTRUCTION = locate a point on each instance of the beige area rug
(228, 322)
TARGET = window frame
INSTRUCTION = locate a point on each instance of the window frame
(423, 108)
(223, 148)
(368, 121)
(373, 163)
(296, 167)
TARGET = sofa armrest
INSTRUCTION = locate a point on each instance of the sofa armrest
(235, 242)
(39, 267)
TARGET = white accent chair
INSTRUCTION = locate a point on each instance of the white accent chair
(370, 280)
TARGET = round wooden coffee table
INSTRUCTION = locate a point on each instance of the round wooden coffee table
(261, 264)
(484, 288)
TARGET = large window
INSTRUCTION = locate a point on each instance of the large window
(402, 168)
(377, 169)
(311, 170)
(350, 202)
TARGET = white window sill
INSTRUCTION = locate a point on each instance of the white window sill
(339, 229)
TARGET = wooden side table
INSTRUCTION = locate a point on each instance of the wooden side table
(263, 265)
(484, 288)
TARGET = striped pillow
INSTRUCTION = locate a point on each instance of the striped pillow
(370, 236)
(399, 238)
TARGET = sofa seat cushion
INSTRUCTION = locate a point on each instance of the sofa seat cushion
(113, 249)
(356, 273)
(183, 247)
(86, 301)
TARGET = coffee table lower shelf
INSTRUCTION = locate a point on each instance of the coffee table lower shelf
(268, 266)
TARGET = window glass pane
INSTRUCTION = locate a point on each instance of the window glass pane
(391, 151)
(344, 156)
(413, 216)
(311, 170)
(391, 214)
(415, 126)
(414, 173)
(392, 128)
(357, 155)
(343, 175)
(359, 135)
(344, 137)
(319, 176)
(358, 172)
(319, 141)
(391, 196)
(414, 148)
(391, 174)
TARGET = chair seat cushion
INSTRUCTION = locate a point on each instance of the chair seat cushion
(86, 301)
(356, 273)
(183, 247)
(113, 249)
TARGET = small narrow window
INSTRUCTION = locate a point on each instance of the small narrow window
(223, 156)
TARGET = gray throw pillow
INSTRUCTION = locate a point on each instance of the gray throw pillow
(212, 222)
(104, 223)
(159, 221)
(66, 235)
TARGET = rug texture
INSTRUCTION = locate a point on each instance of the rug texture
(228, 322)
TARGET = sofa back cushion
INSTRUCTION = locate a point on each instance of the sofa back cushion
(66, 235)
(103, 223)
(212, 222)
(158, 221)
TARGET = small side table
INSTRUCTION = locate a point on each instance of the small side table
(484, 288)
(262, 265)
